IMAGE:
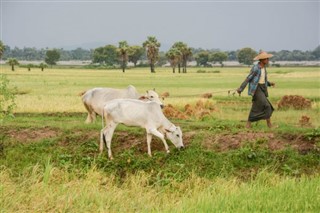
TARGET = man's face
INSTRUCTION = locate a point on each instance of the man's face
(265, 61)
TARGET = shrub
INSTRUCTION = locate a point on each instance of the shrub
(7, 98)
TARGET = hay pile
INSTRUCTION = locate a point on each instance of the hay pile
(295, 102)
(201, 109)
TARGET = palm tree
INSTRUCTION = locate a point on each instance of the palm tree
(186, 53)
(123, 53)
(12, 62)
(152, 47)
(174, 57)
(1, 49)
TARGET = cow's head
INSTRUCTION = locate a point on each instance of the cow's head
(153, 96)
(174, 134)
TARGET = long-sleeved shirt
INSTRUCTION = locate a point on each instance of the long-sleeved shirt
(253, 80)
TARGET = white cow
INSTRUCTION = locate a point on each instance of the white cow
(139, 113)
(95, 99)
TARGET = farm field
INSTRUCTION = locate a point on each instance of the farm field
(49, 157)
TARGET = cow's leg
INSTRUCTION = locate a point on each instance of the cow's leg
(101, 141)
(89, 109)
(158, 134)
(108, 133)
(88, 120)
(149, 138)
(93, 116)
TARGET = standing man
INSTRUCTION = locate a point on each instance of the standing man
(258, 88)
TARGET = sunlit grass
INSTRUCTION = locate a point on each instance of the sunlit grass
(56, 90)
(48, 189)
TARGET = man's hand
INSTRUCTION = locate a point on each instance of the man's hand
(239, 91)
(272, 84)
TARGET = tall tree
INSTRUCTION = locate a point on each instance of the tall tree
(52, 56)
(174, 57)
(218, 57)
(12, 62)
(246, 55)
(98, 55)
(135, 53)
(186, 54)
(152, 48)
(123, 54)
(110, 54)
(106, 55)
(202, 58)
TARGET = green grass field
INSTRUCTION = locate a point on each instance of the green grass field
(49, 157)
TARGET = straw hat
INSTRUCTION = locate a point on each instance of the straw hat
(263, 55)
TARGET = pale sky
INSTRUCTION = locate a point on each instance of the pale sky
(225, 25)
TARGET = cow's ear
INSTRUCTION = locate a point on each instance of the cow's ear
(143, 98)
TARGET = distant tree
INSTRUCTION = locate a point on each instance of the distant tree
(98, 55)
(123, 54)
(232, 55)
(152, 49)
(186, 53)
(12, 62)
(2, 48)
(316, 53)
(42, 66)
(202, 58)
(174, 57)
(52, 56)
(135, 53)
(246, 55)
(80, 54)
(162, 60)
(111, 56)
(218, 57)
(29, 66)
(106, 55)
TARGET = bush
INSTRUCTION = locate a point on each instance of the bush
(7, 98)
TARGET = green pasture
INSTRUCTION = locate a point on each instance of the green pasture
(56, 90)
(49, 160)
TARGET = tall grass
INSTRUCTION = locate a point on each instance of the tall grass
(50, 189)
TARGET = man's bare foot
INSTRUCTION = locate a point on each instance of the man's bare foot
(269, 123)
(248, 125)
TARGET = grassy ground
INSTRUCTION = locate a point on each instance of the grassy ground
(49, 158)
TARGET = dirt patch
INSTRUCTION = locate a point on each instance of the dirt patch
(123, 140)
(226, 142)
(295, 102)
(30, 134)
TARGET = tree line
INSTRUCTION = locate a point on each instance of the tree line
(177, 56)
